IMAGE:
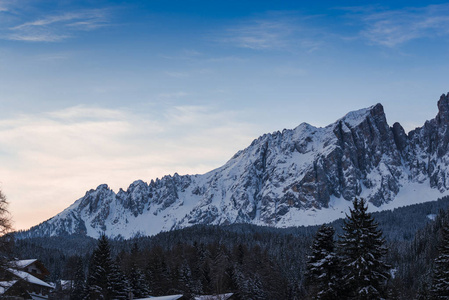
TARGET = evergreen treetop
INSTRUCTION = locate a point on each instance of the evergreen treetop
(105, 281)
(362, 249)
(323, 267)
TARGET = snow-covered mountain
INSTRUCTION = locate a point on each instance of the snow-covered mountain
(303, 176)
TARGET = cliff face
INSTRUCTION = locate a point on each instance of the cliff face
(278, 180)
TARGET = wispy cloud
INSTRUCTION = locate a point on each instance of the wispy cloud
(272, 32)
(395, 27)
(57, 27)
(84, 19)
(261, 34)
(5, 5)
(37, 36)
(49, 160)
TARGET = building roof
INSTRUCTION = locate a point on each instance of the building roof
(214, 297)
(171, 297)
(24, 263)
(5, 285)
(20, 264)
(35, 296)
(29, 278)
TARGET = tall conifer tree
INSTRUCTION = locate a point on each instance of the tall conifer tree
(323, 268)
(362, 249)
(440, 284)
(79, 284)
(105, 281)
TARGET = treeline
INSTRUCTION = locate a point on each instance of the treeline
(190, 270)
(266, 255)
(259, 262)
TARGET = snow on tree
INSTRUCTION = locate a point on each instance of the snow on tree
(362, 248)
(118, 283)
(323, 267)
(105, 281)
(137, 281)
(440, 284)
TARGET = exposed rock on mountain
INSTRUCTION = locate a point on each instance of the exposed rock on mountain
(295, 177)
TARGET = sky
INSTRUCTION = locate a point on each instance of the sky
(95, 92)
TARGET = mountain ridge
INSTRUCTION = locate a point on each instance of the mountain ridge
(301, 176)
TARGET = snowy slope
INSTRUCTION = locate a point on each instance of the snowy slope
(302, 176)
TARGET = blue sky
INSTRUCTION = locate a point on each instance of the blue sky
(113, 91)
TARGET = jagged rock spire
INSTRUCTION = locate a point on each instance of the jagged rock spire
(443, 109)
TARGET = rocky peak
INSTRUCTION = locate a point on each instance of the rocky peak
(102, 187)
(400, 138)
(282, 179)
(443, 110)
(354, 118)
(135, 198)
(138, 184)
(94, 198)
(377, 111)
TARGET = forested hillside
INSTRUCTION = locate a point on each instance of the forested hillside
(259, 262)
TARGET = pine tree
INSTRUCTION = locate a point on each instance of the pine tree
(137, 281)
(118, 285)
(157, 272)
(440, 284)
(79, 285)
(105, 281)
(323, 267)
(99, 270)
(220, 280)
(136, 276)
(362, 248)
